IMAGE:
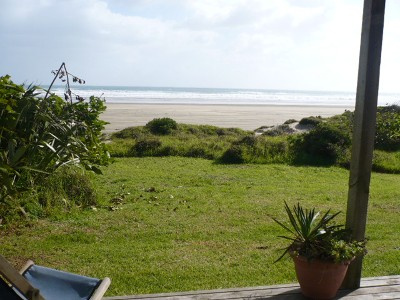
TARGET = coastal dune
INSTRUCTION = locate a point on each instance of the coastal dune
(249, 117)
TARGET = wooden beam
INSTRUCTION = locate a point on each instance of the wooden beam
(364, 128)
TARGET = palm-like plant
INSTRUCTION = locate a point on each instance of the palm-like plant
(315, 237)
(39, 135)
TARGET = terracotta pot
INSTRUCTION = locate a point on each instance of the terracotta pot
(319, 279)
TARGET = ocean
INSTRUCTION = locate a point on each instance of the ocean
(207, 96)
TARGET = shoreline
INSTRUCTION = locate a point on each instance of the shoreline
(248, 117)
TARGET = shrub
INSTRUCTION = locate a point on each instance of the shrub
(38, 135)
(209, 130)
(323, 144)
(162, 126)
(197, 151)
(136, 132)
(120, 147)
(276, 150)
(248, 140)
(279, 130)
(387, 136)
(166, 150)
(290, 121)
(145, 147)
(344, 122)
(386, 162)
(314, 121)
(198, 130)
(233, 155)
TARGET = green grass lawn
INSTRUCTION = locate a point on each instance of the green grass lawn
(191, 224)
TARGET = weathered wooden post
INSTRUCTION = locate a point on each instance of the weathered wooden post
(364, 127)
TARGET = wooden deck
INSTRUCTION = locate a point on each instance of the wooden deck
(387, 287)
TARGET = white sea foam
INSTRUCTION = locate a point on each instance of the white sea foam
(154, 95)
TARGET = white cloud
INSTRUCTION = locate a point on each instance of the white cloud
(293, 44)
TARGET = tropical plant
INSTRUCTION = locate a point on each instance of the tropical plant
(40, 134)
(316, 237)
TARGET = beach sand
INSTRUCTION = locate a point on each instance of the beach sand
(249, 117)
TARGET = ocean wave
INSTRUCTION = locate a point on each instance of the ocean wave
(221, 96)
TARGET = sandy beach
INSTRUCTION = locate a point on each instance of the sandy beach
(249, 117)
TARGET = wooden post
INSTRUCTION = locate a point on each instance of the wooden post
(364, 128)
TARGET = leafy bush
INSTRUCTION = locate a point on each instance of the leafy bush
(233, 155)
(135, 132)
(202, 141)
(229, 131)
(248, 140)
(197, 151)
(290, 121)
(162, 126)
(38, 135)
(328, 144)
(387, 135)
(279, 130)
(386, 162)
(209, 130)
(314, 121)
(324, 144)
(120, 147)
(276, 150)
(146, 147)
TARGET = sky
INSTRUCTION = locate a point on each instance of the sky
(264, 44)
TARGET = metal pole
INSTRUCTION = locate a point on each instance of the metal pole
(364, 128)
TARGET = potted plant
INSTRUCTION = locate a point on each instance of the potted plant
(321, 250)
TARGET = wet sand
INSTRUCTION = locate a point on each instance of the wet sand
(249, 117)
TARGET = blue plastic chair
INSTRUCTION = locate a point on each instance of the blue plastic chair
(35, 282)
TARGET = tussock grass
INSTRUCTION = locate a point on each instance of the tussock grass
(328, 142)
(176, 224)
(201, 141)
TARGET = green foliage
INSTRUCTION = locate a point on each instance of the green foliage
(313, 121)
(256, 149)
(38, 135)
(324, 144)
(387, 135)
(248, 140)
(63, 190)
(290, 121)
(136, 132)
(275, 149)
(233, 155)
(120, 147)
(315, 237)
(280, 130)
(327, 143)
(201, 141)
(145, 147)
(67, 187)
(386, 162)
(209, 130)
(162, 126)
(224, 145)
